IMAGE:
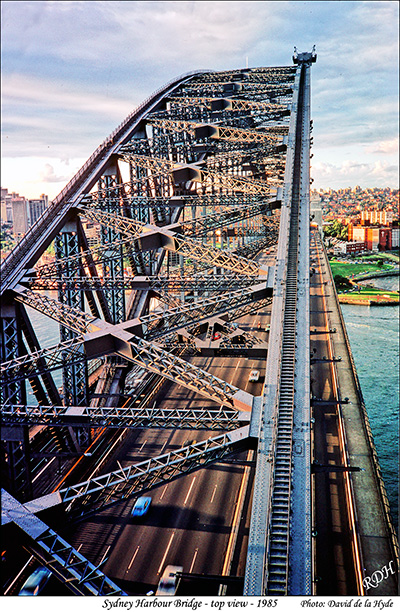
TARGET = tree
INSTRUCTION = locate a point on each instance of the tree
(336, 229)
(342, 282)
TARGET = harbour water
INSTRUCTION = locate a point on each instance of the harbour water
(374, 339)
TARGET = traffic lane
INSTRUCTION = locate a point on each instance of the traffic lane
(335, 564)
(237, 372)
(334, 554)
(199, 550)
(139, 448)
(167, 502)
(188, 525)
(215, 521)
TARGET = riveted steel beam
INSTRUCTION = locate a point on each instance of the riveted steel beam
(80, 576)
(126, 416)
(131, 480)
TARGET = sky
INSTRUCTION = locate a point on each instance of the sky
(72, 71)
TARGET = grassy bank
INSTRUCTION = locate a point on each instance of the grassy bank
(351, 268)
(368, 296)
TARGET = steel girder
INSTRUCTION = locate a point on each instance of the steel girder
(71, 352)
(229, 87)
(162, 285)
(230, 104)
(154, 358)
(269, 135)
(153, 237)
(11, 348)
(153, 325)
(81, 576)
(210, 202)
(112, 266)
(222, 108)
(256, 76)
(96, 254)
(72, 318)
(156, 471)
(198, 226)
(45, 360)
(148, 355)
(128, 416)
(98, 492)
(193, 313)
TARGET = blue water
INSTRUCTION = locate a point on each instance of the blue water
(374, 339)
(48, 333)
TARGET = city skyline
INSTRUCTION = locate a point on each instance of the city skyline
(72, 71)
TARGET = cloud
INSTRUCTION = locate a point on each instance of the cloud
(45, 94)
(351, 172)
(73, 70)
(49, 176)
(35, 175)
(385, 147)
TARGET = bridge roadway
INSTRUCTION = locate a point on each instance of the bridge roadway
(353, 533)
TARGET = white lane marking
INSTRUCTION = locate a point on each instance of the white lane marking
(140, 449)
(164, 445)
(213, 495)
(193, 560)
(105, 555)
(164, 491)
(45, 468)
(133, 558)
(190, 489)
(166, 553)
(233, 377)
(104, 458)
(79, 547)
(16, 577)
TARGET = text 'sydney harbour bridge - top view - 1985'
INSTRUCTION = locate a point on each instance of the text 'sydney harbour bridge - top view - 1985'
(205, 365)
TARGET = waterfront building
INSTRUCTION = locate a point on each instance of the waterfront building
(341, 247)
(6, 200)
(375, 238)
(3, 213)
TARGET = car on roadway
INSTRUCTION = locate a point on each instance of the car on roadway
(36, 582)
(254, 376)
(169, 581)
(141, 507)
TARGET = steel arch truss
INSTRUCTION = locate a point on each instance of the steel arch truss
(174, 205)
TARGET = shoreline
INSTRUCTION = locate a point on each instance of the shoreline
(357, 301)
